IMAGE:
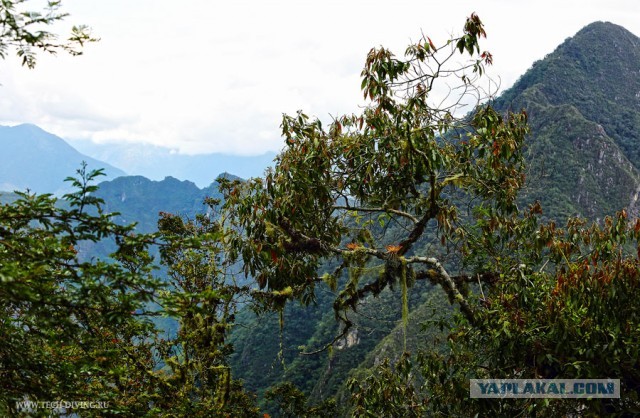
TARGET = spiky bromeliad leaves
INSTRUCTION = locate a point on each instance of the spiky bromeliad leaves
(371, 189)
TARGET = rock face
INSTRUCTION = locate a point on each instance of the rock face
(584, 108)
(348, 340)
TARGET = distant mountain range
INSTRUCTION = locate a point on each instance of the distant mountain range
(156, 162)
(37, 160)
(40, 161)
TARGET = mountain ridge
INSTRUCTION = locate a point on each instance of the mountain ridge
(583, 101)
(139, 199)
(156, 162)
(40, 161)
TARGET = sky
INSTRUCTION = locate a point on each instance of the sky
(205, 76)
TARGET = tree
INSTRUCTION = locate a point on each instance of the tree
(375, 192)
(73, 328)
(77, 328)
(408, 191)
(24, 31)
(202, 296)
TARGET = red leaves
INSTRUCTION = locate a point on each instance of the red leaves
(262, 280)
(496, 148)
(474, 26)
(337, 127)
(536, 208)
(431, 43)
(487, 57)
(393, 248)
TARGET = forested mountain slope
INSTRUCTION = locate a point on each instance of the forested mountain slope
(139, 199)
(583, 101)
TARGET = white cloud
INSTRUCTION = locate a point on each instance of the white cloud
(202, 76)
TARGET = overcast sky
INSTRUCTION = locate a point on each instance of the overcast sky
(202, 76)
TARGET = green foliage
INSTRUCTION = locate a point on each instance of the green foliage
(575, 317)
(72, 329)
(401, 160)
(291, 402)
(24, 31)
(427, 329)
(388, 392)
(376, 332)
(203, 297)
(79, 328)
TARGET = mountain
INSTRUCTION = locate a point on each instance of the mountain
(40, 161)
(156, 162)
(7, 197)
(583, 102)
(140, 200)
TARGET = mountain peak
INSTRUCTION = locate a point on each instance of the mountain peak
(603, 28)
(603, 40)
(40, 161)
(29, 126)
(583, 100)
(600, 63)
